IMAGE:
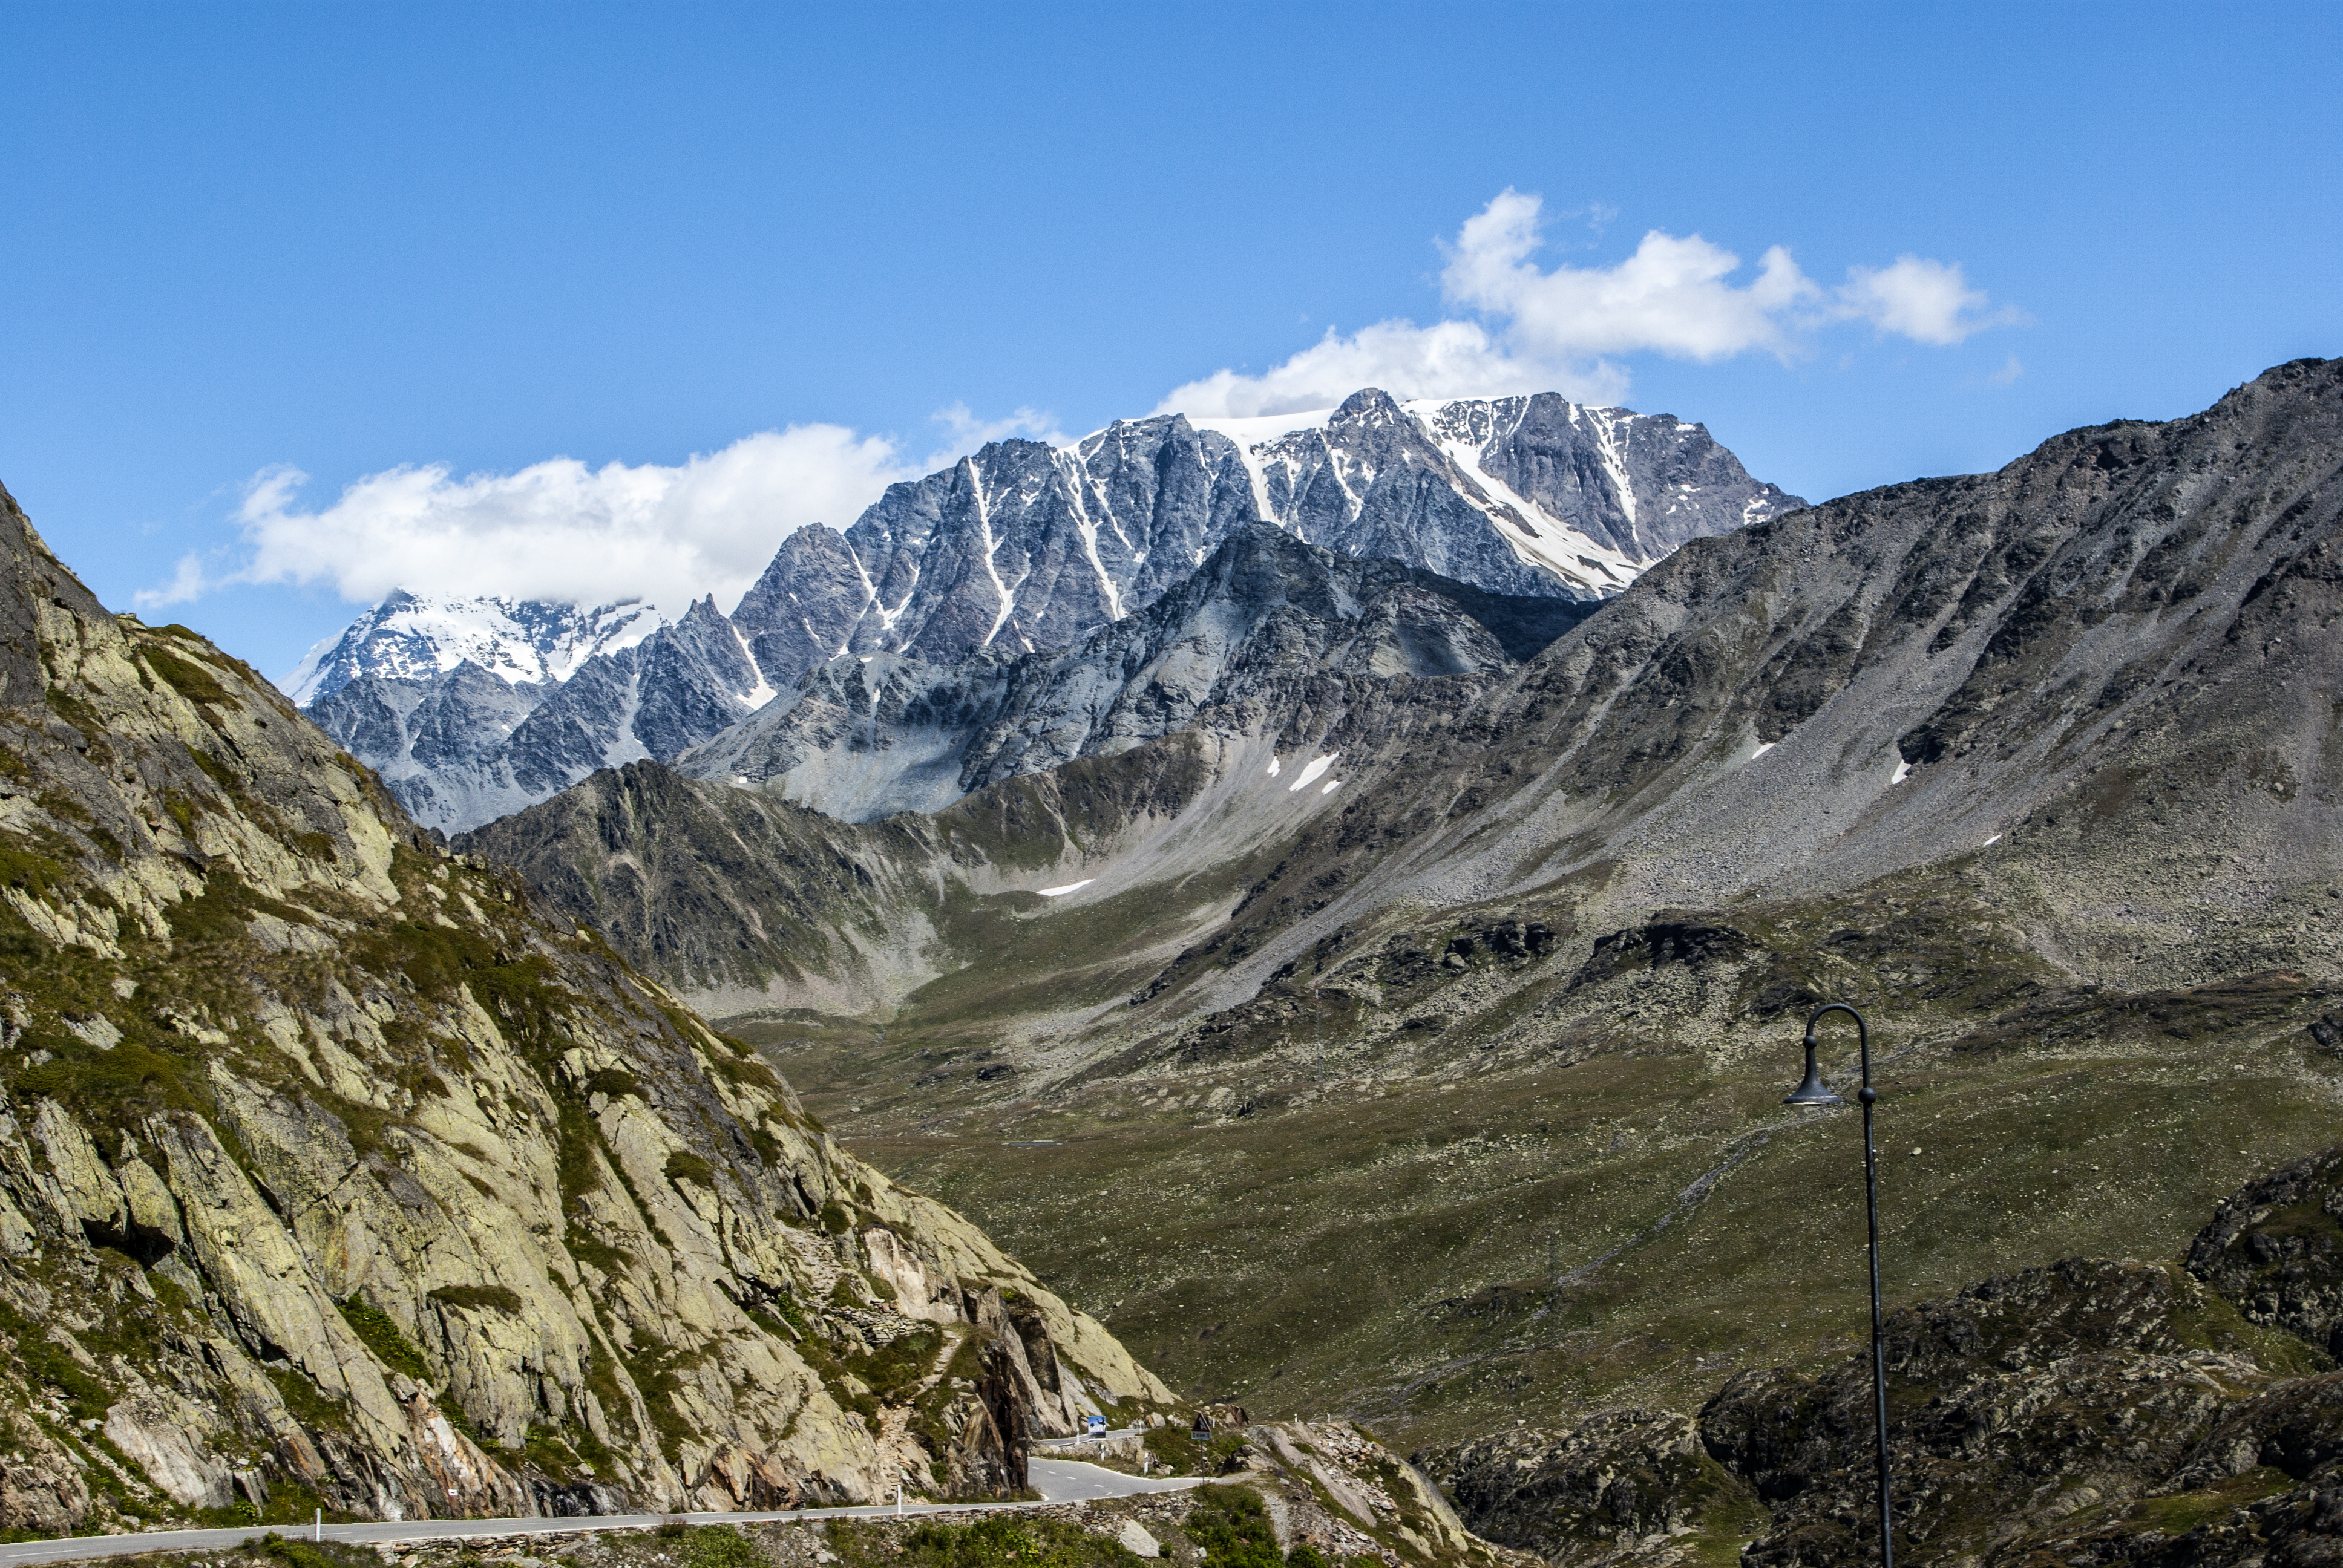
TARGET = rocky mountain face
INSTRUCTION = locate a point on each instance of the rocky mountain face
(2092, 1412)
(333, 1174)
(1026, 547)
(1019, 549)
(770, 904)
(1464, 1077)
(761, 884)
(2088, 674)
(524, 642)
(1246, 635)
(465, 746)
(2085, 672)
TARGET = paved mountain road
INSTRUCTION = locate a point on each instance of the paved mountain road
(1057, 1479)
(1058, 1444)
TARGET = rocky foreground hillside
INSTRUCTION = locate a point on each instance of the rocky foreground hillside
(334, 1174)
(1453, 1094)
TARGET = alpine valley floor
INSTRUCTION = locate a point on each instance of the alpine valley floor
(1588, 1193)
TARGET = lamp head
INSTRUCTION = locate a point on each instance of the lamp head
(1812, 1092)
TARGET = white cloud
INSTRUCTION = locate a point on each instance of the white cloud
(1446, 359)
(557, 529)
(1671, 296)
(187, 582)
(1562, 330)
(1924, 300)
(968, 432)
(562, 531)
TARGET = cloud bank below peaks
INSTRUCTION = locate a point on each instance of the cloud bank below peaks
(561, 531)
(1561, 330)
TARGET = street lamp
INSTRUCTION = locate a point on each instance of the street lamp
(1812, 1093)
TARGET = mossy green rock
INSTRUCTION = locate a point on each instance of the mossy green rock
(2274, 1250)
(332, 1175)
(2096, 1410)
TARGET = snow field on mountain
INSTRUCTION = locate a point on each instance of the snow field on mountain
(414, 635)
(1312, 771)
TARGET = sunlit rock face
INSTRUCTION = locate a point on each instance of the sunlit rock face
(330, 1169)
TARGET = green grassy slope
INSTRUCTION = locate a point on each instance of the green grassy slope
(1570, 1197)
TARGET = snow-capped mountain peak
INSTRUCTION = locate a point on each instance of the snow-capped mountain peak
(1566, 489)
(473, 707)
(415, 637)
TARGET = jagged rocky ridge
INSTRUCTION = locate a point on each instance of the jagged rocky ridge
(333, 1174)
(1264, 618)
(2092, 1412)
(1023, 547)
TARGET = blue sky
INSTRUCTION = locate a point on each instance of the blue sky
(345, 240)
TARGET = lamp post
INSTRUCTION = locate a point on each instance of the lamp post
(1812, 1093)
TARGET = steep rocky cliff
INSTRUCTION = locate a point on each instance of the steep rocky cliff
(1023, 546)
(334, 1174)
(1245, 636)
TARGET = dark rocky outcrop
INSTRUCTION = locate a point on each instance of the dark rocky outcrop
(2012, 1404)
(1621, 1478)
(1002, 1393)
(2276, 1248)
(1659, 941)
(2095, 1410)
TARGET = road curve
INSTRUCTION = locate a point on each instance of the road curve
(1071, 1480)
(1058, 1481)
(1058, 1444)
